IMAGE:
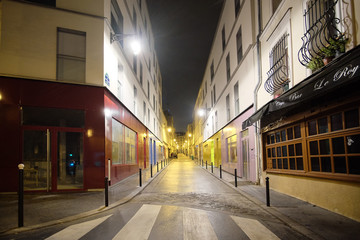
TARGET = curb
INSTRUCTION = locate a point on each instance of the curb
(85, 214)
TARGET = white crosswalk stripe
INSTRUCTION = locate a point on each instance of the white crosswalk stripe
(196, 226)
(140, 225)
(254, 229)
(78, 230)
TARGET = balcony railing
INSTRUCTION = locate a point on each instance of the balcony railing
(321, 30)
(278, 73)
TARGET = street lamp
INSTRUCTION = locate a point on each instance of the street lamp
(134, 44)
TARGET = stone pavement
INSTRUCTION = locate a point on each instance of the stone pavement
(42, 210)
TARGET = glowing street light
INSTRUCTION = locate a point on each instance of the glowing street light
(134, 44)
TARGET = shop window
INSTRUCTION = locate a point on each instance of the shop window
(331, 147)
(232, 150)
(123, 144)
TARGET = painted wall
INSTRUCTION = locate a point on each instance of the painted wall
(328, 194)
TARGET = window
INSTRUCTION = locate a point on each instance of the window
(231, 149)
(284, 149)
(216, 120)
(214, 93)
(228, 67)
(123, 144)
(134, 20)
(275, 5)
(135, 96)
(135, 64)
(144, 112)
(71, 55)
(322, 28)
(331, 146)
(212, 72)
(239, 45)
(278, 75)
(141, 74)
(130, 146)
(223, 39)
(228, 107)
(117, 20)
(237, 7)
(236, 99)
(148, 89)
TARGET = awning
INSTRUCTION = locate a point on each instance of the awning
(340, 72)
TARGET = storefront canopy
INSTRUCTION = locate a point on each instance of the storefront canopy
(340, 72)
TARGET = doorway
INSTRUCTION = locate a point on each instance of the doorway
(245, 152)
(53, 158)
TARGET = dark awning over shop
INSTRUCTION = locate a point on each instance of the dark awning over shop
(338, 73)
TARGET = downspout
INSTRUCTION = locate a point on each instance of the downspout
(257, 129)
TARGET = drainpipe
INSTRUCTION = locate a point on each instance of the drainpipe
(257, 129)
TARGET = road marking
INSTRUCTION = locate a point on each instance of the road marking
(197, 225)
(78, 230)
(254, 229)
(140, 225)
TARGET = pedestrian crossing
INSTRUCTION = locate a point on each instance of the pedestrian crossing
(193, 224)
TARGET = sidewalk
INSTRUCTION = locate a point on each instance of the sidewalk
(312, 221)
(46, 209)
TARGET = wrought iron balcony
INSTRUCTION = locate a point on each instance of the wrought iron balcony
(321, 30)
(278, 73)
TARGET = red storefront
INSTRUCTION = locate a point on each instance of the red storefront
(62, 134)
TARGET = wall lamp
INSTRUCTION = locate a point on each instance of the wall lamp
(134, 44)
(202, 111)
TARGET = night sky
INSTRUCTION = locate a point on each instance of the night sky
(183, 32)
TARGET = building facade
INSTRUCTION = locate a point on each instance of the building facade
(307, 108)
(225, 98)
(292, 98)
(77, 101)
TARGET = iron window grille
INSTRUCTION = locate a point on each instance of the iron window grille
(321, 26)
(278, 75)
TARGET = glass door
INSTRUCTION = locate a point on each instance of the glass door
(245, 151)
(69, 163)
(37, 159)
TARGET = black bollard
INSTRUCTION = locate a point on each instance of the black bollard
(106, 191)
(206, 164)
(220, 172)
(212, 167)
(235, 177)
(267, 192)
(151, 170)
(157, 166)
(21, 196)
(140, 181)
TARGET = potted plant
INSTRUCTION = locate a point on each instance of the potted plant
(315, 63)
(328, 53)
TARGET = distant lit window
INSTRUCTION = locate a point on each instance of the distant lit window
(71, 55)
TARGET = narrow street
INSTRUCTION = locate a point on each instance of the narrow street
(183, 202)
